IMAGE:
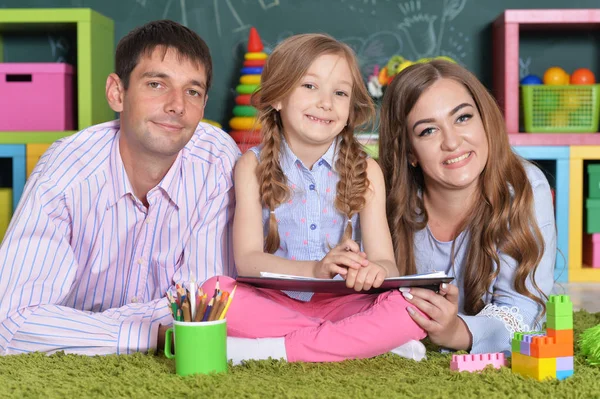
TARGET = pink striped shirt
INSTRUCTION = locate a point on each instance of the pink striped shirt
(84, 266)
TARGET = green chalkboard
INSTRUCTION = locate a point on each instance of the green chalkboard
(376, 29)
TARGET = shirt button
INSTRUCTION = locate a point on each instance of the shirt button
(312, 186)
(320, 163)
(141, 261)
(313, 226)
(134, 300)
(148, 220)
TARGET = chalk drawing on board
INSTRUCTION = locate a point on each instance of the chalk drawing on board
(524, 65)
(59, 47)
(362, 6)
(141, 2)
(241, 26)
(184, 17)
(457, 45)
(375, 49)
(423, 31)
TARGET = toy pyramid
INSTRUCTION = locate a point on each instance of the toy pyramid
(547, 354)
(245, 127)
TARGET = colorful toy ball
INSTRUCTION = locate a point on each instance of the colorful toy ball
(531, 80)
(556, 76)
(583, 76)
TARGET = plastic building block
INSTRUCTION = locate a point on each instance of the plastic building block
(516, 343)
(477, 362)
(561, 336)
(539, 369)
(560, 322)
(559, 305)
(561, 375)
(564, 363)
(547, 347)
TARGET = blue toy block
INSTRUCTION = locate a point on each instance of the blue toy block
(560, 154)
(17, 153)
(561, 375)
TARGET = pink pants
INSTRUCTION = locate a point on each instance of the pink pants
(328, 328)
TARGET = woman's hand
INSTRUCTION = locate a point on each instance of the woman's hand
(342, 258)
(444, 327)
(366, 277)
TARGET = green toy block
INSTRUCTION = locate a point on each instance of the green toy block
(560, 322)
(559, 305)
(516, 342)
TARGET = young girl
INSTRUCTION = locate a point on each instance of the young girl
(461, 201)
(313, 193)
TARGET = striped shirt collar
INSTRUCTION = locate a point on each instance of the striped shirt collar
(122, 186)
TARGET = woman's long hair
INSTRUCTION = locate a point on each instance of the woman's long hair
(503, 218)
(282, 73)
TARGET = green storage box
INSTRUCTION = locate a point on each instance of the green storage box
(561, 109)
(594, 180)
(593, 215)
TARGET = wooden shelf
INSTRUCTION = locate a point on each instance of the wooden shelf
(554, 139)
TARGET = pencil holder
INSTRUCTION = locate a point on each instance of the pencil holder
(200, 347)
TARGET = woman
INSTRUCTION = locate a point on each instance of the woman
(459, 200)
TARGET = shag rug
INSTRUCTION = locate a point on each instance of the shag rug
(146, 375)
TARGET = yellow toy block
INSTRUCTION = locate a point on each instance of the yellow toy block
(5, 210)
(33, 153)
(540, 369)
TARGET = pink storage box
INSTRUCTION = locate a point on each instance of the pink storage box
(36, 97)
(591, 249)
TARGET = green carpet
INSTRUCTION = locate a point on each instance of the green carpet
(139, 375)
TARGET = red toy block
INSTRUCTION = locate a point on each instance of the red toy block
(561, 336)
(547, 347)
(477, 362)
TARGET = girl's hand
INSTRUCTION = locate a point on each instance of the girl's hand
(366, 277)
(342, 258)
(444, 328)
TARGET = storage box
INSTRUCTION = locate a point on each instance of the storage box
(594, 180)
(591, 250)
(561, 109)
(6, 207)
(593, 215)
(36, 97)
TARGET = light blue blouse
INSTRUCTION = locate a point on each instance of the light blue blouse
(506, 311)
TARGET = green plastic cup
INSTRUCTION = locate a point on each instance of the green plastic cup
(201, 347)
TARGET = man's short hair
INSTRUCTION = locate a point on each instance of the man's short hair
(163, 33)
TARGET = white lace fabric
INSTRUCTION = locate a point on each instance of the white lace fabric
(510, 316)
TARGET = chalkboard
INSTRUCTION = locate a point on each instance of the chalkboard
(376, 29)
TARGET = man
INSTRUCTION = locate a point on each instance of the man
(115, 215)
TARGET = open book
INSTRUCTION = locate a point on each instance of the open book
(337, 285)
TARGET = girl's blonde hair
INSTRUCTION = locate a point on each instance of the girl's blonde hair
(282, 73)
(503, 219)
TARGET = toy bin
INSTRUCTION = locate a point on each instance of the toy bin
(36, 97)
(594, 180)
(560, 109)
(591, 250)
(593, 215)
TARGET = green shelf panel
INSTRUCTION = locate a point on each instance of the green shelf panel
(32, 137)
